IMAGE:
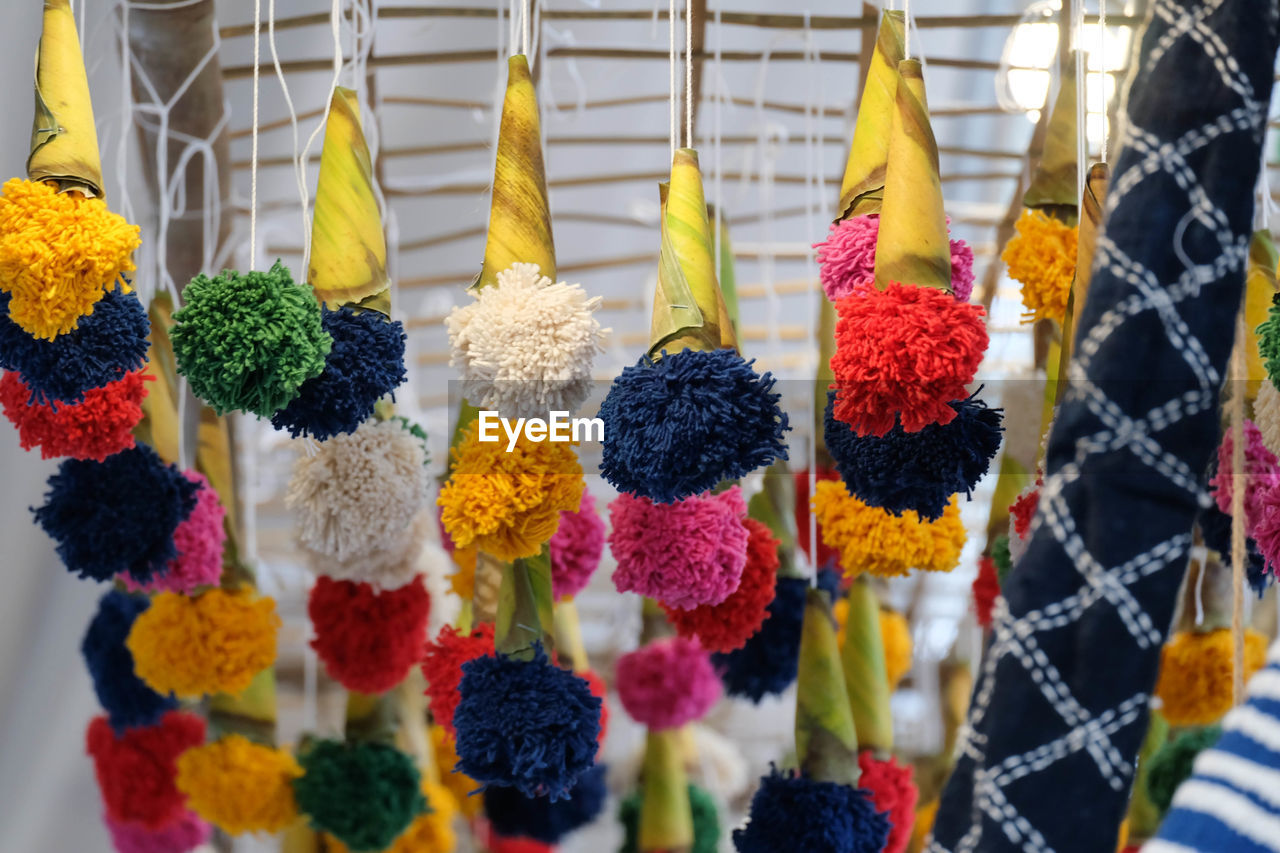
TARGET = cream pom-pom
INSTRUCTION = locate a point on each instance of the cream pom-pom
(386, 568)
(359, 492)
(525, 345)
(1266, 414)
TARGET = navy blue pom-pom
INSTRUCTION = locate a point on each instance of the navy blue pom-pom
(128, 701)
(104, 346)
(767, 664)
(830, 580)
(1215, 529)
(365, 364)
(683, 424)
(800, 815)
(514, 815)
(528, 725)
(117, 515)
(918, 471)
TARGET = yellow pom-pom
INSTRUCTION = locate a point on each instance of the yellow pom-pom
(463, 581)
(925, 816)
(895, 634)
(431, 832)
(460, 785)
(240, 786)
(875, 540)
(59, 254)
(509, 504)
(1196, 673)
(1043, 258)
(214, 643)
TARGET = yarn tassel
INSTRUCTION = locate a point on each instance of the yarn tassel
(666, 818)
(525, 617)
(64, 141)
(862, 190)
(865, 676)
(826, 740)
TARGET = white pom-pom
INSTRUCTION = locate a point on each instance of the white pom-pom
(525, 345)
(358, 494)
(1266, 414)
(385, 568)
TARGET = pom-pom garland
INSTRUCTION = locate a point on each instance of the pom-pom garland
(848, 259)
(95, 428)
(903, 354)
(893, 792)
(684, 554)
(107, 344)
(682, 424)
(118, 515)
(917, 471)
(895, 637)
(576, 548)
(364, 794)
(213, 643)
(1042, 256)
(198, 540)
(59, 255)
(359, 492)
(802, 815)
(365, 363)
(726, 626)
(876, 541)
(826, 556)
(128, 701)
(368, 640)
(986, 589)
(240, 786)
(442, 668)
(1171, 765)
(180, 835)
(525, 345)
(667, 683)
(1196, 669)
(513, 814)
(247, 342)
(767, 663)
(706, 823)
(1261, 473)
(429, 833)
(528, 725)
(136, 769)
(508, 503)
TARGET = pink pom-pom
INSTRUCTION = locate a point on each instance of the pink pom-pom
(576, 548)
(684, 554)
(1260, 473)
(848, 259)
(185, 833)
(1266, 533)
(667, 683)
(199, 541)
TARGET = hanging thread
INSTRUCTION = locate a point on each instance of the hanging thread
(688, 74)
(906, 29)
(525, 27)
(1102, 63)
(1082, 97)
(253, 144)
(671, 45)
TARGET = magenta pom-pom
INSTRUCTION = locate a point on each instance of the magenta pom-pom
(1261, 473)
(684, 554)
(848, 259)
(576, 548)
(185, 833)
(198, 540)
(667, 683)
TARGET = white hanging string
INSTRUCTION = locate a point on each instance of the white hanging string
(671, 34)
(1102, 63)
(525, 26)
(299, 165)
(906, 29)
(813, 185)
(1082, 97)
(304, 157)
(688, 74)
(253, 145)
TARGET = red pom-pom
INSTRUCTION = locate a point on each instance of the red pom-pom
(1023, 509)
(600, 691)
(442, 667)
(986, 587)
(93, 429)
(827, 556)
(496, 843)
(728, 625)
(369, 640)
(893, 790)
(136, 770)
(902, 354)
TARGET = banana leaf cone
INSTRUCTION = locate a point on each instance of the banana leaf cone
(725, 270)
(666, 818)
(826, 377)
(913, 246)
(348, 264)
(371, 718)
(525, 612)
(1260, 287)
(1144, 817)
(826, 740)
(568, 631)
(773, 506)
(862, 189)
(865, 678)
(64, 141)
(1095, 195)
(1055, 185)
(252, 714)
(687, 306)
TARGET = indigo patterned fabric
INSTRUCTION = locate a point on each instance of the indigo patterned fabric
(1046, 758)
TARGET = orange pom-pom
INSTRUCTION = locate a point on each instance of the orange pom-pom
(240, 786)
(875, 540)
(1042, 256)
(1196, 670)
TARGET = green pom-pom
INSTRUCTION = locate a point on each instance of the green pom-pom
(1269, 341)
(706, 823)
(417, 431)
(1171, 765)
(246, 342)
(1001, 557)
(363, 794)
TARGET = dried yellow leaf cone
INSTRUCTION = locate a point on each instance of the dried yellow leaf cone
(726, 272)
(569, 634)
(687, 306)
(1055, 185)
(666, 818)
(862, 189)
(64, 141)
(865, 679)
(774, 506)
(519, 217)
(348, 263)
(1095, 193)
(525, 607)
(913, 247)
(1260, 287)
(251, 713)
(826, 740)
